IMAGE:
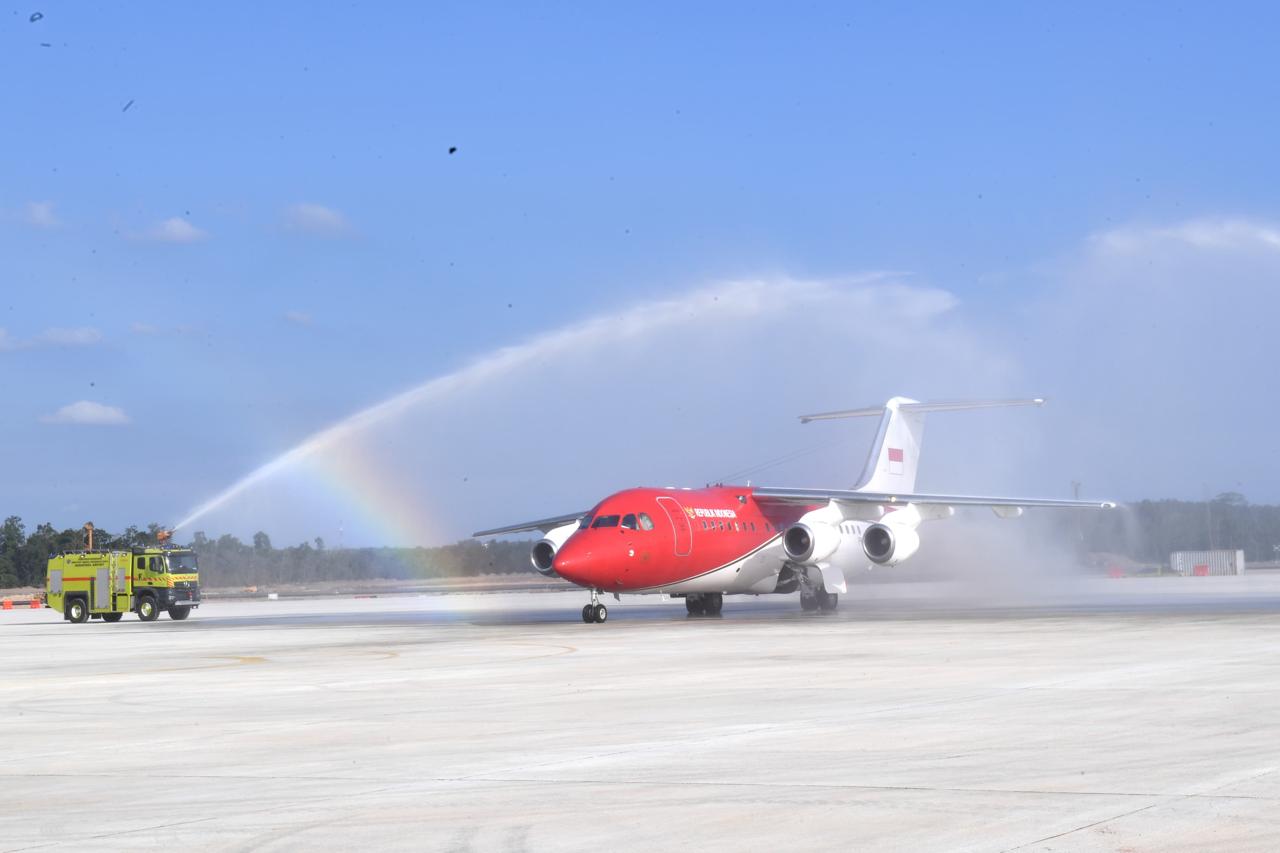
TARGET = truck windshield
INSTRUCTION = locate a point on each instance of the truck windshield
(182, 564)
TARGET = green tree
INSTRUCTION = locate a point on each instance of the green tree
(13, 536)
(261, 542)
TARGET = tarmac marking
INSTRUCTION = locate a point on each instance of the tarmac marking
(235, 661)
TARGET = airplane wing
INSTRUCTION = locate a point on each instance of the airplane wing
(545, 525)
(808, 497)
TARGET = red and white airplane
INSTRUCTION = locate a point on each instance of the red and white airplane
(703, 544)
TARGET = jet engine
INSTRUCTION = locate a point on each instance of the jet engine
(809, 544)
(889, 544)
(543, 554)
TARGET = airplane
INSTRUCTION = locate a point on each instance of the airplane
(704, 544)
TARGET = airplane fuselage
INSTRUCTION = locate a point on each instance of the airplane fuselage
(717, 539)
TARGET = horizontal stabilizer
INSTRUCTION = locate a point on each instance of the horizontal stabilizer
(940, 406)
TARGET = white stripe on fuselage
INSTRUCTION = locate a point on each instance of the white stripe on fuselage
(753, 572)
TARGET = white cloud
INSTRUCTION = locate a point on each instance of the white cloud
(77, 337)
(142, 328)
(87, 413)
(175, 229)
(1215, 234)
(41, 215)
(316, 219)
(299, 318)
(83, 336)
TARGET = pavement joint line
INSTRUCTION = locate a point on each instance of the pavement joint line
(1208, 795)
(928, 789)
(1105, 820)
(527, 780)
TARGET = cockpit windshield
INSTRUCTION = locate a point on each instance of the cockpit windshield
(630, 521)
(183, 563)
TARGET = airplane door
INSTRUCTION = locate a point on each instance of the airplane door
(680, 523)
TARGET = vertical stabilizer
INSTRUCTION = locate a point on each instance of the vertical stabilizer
(895, 454)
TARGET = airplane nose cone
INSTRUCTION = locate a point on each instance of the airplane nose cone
(574, 564)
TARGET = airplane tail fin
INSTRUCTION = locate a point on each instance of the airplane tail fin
(895, 453)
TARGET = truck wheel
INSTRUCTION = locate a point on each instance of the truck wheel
(112, 617)
(77, 611)
(147, 609)
(177, 614)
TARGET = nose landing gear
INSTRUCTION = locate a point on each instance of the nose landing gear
(595, 611)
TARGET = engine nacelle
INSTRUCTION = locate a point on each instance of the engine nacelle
(543, 553)
(889, 544)
(810, 543)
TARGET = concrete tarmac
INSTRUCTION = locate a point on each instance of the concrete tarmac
(1125, 715)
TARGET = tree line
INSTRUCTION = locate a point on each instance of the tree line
(227, 561)
(1146, 531)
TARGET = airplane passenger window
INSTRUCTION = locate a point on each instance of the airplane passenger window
(646, 523)
(605, 521)
(629, 521)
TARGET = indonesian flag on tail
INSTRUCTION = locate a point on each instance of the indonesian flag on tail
(895, 460)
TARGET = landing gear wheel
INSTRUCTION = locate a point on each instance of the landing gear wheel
(601, 613)
(712, 603)
(829, 601)
(112, 617)
(147, 609)
(588, 614)
(178, 612)
(808, 603)
(693, 605)
(77, 611)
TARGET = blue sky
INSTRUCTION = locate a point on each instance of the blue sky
(274, 234)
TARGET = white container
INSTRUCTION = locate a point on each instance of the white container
(1206, 563)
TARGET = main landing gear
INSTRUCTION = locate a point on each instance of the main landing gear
(818, 599)
(704, 604)
(595, 611)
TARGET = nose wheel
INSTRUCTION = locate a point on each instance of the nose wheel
(595, 611)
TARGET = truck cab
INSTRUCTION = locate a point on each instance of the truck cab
(105, 585)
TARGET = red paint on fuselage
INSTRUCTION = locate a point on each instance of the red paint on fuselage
(724, 524)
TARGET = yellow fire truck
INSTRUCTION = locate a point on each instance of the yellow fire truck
(105, 585)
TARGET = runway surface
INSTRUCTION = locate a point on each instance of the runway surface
(1094, 715)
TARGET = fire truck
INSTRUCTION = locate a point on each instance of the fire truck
(106, 584)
